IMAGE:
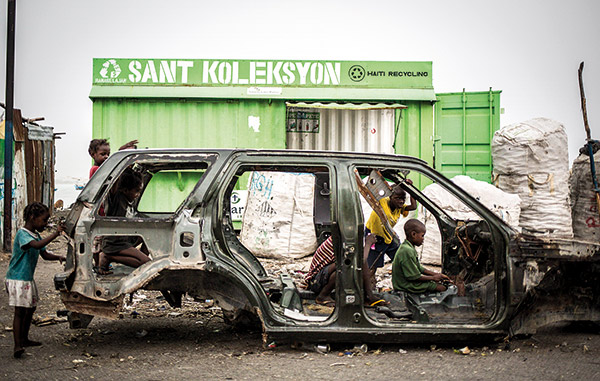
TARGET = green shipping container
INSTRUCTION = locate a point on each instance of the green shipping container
(191, 123)
(206, 103)
(464, 127)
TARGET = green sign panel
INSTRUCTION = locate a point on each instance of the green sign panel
(263, 76)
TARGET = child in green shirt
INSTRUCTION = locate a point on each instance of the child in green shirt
(407, 272)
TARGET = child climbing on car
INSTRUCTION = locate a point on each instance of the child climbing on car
(120, 203)
(99, 150)
(407, 272)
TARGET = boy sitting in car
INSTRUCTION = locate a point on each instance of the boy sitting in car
(407, 272)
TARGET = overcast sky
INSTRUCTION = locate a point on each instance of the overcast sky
(528, 49)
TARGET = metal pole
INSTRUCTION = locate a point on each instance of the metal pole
(8, 132)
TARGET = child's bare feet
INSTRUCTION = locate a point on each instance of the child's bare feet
(18, 352)
(327, 301)
(31, 343)
(103, 264)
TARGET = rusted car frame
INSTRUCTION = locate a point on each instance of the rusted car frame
(523, 283)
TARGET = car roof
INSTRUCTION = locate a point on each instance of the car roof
(269, 152)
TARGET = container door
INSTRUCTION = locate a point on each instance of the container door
(464, 127)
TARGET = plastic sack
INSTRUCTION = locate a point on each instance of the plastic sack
(278, 219)
(584, 208)
(531, 160)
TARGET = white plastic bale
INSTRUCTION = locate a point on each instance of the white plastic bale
(584, 208)
(278, 219)
(538, 144)
(531, 160)
(504, 205)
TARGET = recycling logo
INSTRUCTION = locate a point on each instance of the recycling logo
(356, 73)
(110, 69)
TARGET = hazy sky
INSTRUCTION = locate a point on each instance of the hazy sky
(528, 49)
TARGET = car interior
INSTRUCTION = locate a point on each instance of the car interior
(290, 210)
(464, 247)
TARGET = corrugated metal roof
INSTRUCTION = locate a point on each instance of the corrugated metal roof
(36, 132)
(346, 106)
(265, 92)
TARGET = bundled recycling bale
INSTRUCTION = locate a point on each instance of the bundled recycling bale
(584, 208)
(504, 205)
(531, 159)
(278, 219)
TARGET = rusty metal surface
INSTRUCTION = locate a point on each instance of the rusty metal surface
(212, 268)
(77, 303)
(556, 248)
(37, 132)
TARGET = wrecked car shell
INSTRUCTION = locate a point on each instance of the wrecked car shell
(521, 283)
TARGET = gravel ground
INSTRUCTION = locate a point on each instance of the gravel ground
(155, 342)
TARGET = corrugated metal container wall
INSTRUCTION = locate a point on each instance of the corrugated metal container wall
(348, 130)
(465, 124)
(188, 124)
(414, 136)
(191, 123)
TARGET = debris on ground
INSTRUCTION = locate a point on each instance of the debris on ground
(41, 322)
(463, 351)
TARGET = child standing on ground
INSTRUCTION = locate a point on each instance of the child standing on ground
(21, 288)
(99, 150)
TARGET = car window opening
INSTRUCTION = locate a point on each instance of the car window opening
(454, 242)
(280, 216)
(144, 191)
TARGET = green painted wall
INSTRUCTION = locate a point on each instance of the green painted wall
(465, 125)
(414, 134)
(179, 185)
(185, 123)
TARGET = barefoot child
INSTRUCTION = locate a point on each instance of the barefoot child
(21, 288)
(120, 204)
(99, 150)
(320, 278)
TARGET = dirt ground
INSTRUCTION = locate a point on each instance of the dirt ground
(155, 342)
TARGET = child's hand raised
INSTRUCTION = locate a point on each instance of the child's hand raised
(129, 145)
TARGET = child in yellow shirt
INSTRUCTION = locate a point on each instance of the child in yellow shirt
(394, 207)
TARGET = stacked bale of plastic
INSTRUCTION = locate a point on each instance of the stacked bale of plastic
(504, 205)
(531, 160)
(584, 208)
